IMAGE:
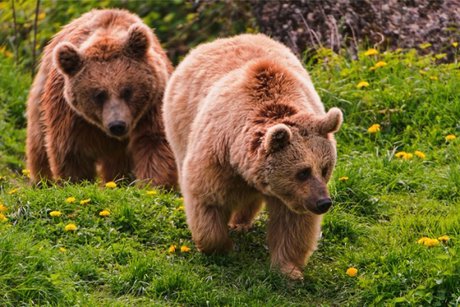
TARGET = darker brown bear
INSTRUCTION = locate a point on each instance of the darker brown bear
(96, 102)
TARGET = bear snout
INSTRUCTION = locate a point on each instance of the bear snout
(118, 128)
(323, 205)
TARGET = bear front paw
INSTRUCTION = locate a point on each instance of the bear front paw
(292, 271)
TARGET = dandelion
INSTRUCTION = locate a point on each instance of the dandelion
(55, 213)
(431, 242)
(70, 227)
(3, 208)
(422, 240)
(85, 201)
(428, 242)
(3, 218)
(362, 84)
(444, 238)
(450, 137)
(70, 200)
(184, 249)
(455, 44)
(380, 64)
(343, 178)
(440, 56)
(26, 172)
(172, 249)
(110, 185)
(424, 45)
(180, 208)
(62, 249)
(13, 191)
(419, 154)
(404, 155)
(374, 128)
(371, 51)
(434, 78)
(104, 213)
(151, 192)
(352, 272)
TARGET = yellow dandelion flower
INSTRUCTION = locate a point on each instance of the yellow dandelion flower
(455, 44)
(85, 201)
(422, 240)
(434, 78)
(111, 185)
(343, 178)
(104, 213)
(440, 56)
(26, 172)
(380, 64)
(41, 16)
(70, 200)
(55, 213)
(362, 84)
(70, 227)
(3, 218)
(3, 208)
(151, 192)
(62, 249)
(408, 156)
(419, 154)
(450, 137)
(431, 242)
(13, 191)
(374, 128)
(172, 249)
(400, 154)
(444, 238)
(180, 208)
(424, 45)
(352, 272)
(184, 249)
(371, 51)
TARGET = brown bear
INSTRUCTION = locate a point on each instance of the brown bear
(95, 103)
(247, 127)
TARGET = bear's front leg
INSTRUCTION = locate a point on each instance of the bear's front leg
(292, 237)
(208, 224)
(68, 163)
(154, 161)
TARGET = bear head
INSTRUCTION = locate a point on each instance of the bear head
(298, 157)
(109, 81)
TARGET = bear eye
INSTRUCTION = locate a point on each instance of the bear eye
(126, 93)
(100, 96)
(304, 174)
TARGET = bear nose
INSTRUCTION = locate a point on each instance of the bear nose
(117, 128)
(323, 205)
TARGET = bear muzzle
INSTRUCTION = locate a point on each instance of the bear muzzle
(323, 205)
(118, 128)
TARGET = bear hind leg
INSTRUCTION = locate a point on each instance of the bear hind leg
(243, 218)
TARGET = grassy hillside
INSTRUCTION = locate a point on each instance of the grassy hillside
(384, 205)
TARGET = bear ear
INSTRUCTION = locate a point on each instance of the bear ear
(138, 41)
(67, 58)
(277, 137)
(331, 122)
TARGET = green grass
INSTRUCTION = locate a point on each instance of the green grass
(381, 211)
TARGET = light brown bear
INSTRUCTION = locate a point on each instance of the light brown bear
(96, 102)
(246, 126)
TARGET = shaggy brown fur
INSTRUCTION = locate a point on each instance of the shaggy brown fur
(96, 100)
(246, 126)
